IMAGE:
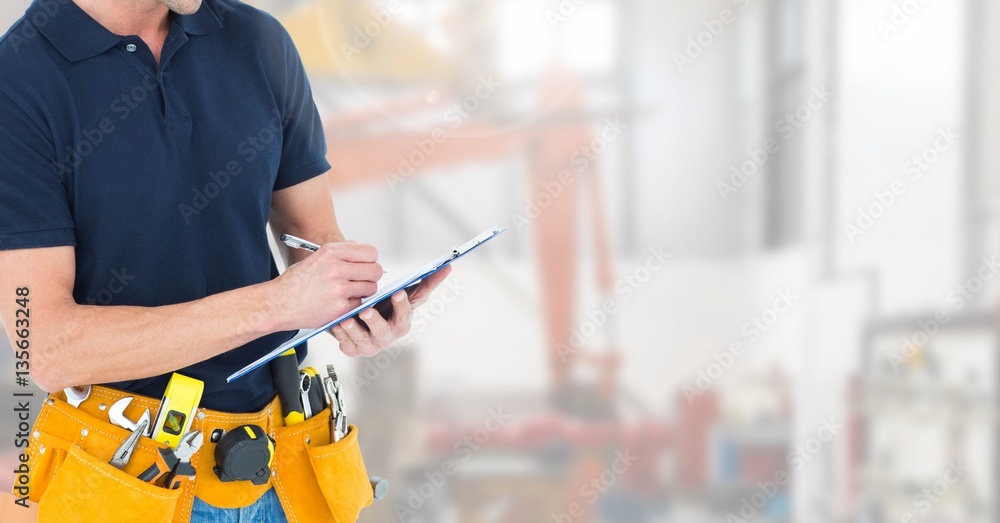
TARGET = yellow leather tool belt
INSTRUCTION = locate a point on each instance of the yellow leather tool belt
(72, 480)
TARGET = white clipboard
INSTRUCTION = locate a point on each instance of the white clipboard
(383, 293)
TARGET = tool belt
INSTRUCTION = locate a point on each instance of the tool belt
(71, 478)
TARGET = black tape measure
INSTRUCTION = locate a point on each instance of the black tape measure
(244, 453)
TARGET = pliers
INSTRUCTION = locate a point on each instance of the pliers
(125, 450)
(175, 464)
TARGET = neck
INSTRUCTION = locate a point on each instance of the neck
(148, 19)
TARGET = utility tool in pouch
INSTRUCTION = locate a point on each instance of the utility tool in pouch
(175, 464)
(285, 373)
(338, 417)
(177, 410)
(117, 416)
(311, 392)
(124, 453)
(77, 395)
(244, 453)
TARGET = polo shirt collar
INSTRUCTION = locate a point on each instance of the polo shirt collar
(78, 36)
(72, 31)
(202, 22)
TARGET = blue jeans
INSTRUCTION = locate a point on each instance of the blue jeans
(266, 510)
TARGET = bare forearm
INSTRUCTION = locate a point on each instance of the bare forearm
(89, 344)
(306, 211)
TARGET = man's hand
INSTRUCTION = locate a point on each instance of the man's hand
(328, 283)
(357, 340)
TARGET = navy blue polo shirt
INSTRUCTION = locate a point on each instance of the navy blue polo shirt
(160, 175)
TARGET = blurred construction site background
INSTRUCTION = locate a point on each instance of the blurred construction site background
(750, 273)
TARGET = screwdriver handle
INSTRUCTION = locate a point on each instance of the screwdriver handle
(285, 372)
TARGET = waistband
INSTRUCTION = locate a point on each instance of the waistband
(101, 398)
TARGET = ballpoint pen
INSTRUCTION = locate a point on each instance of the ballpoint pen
(305, 245)
(299, 243)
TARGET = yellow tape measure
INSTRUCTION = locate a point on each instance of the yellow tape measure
(177, 410)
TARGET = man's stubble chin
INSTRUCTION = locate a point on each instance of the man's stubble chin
(182, 7)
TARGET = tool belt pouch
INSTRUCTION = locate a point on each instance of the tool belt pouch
(320, 481)
(71, 477)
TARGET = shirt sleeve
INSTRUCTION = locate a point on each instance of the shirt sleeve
(34, 203)
(303, 148)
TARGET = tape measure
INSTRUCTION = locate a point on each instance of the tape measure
(180, 401)
(244, 453)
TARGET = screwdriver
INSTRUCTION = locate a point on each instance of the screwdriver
(285, 372)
